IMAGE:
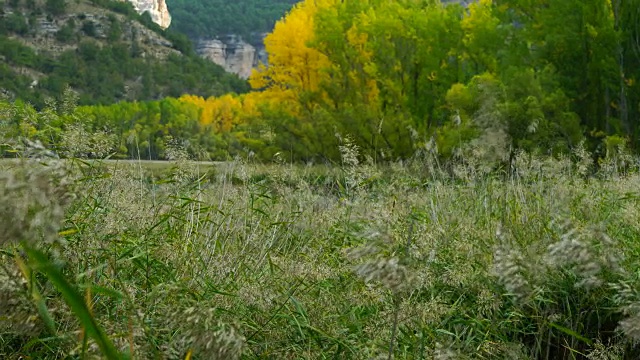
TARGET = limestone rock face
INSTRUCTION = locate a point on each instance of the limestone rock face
(232, 53)
(156, 8)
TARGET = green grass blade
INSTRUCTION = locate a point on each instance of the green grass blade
(37, 298)
(75, 302)
(570, 332)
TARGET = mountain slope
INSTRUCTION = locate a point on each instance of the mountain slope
(212, 18)
(101, 48)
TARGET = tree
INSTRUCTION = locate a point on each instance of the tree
(580, 40)
(212, 18)
(56, 7)
(16, 23)
(66, 33)
(294, 67)
(627, 26)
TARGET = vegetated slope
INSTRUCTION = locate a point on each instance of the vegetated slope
(101, 48)
(210, 18)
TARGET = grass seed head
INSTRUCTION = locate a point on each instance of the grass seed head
(33, 198)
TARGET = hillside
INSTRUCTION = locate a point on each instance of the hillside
(103, 49)
(212, 18)
(217, 18)
(227, 33)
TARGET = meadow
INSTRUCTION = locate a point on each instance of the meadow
(238, 260)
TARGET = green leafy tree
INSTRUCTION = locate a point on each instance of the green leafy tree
(88, 28)
(627, 94)
(56, 7)
(580, 40)
(115, 29)
(66, 33)
(16, 23)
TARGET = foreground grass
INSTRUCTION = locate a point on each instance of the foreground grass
(286, 262)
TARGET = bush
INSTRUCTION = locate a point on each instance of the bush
(88, 28)
(16, 23)
(66, 33)
(56, 7)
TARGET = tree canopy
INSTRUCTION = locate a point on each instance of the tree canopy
(211, 18)
(399, 78)
(397, 75)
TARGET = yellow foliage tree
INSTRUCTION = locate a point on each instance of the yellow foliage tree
(201, 103)
(295, 68)
(482, 36)
(221, 113)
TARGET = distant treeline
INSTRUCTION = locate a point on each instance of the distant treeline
(211, 18)
(128, 130)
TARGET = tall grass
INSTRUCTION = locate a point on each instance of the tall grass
(407, 260)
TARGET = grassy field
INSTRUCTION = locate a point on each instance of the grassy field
(236, 260)
(149, 167)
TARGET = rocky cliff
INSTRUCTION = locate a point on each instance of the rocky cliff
(156, 8)
(101, 50)
(45, 33)
(233, 53)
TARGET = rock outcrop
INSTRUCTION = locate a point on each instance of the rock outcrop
(233, 54)
(148, 42)
(156, 8)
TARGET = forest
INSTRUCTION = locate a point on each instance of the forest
(508, 73)
(407, 77)
(213, 18)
